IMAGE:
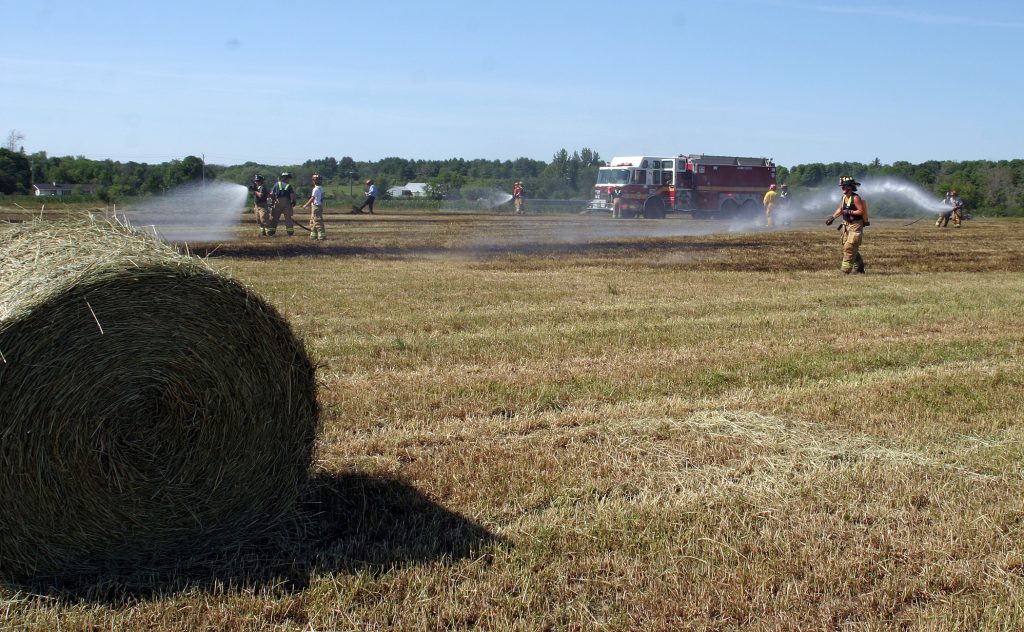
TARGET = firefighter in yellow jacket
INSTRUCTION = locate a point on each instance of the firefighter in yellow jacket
(854, 211)
(769, 204)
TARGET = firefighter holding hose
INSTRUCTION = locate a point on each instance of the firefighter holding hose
(261, 204)
(854, 211)
(517, 197)
(955, 210)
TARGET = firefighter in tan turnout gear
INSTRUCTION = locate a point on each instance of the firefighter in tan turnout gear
(616, 196)
(261, 203)
(316, 205)
(956, 210)
(854, 211)
(283, 196)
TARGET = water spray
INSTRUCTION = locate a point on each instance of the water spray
(888, 190)
(193, 212)
(488, 199)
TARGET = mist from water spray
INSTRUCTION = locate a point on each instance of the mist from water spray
(481, 199)
(493, 198)
(895, 192)
(885, 196)
(193, 212)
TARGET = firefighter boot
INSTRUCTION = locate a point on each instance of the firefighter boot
(321, 236)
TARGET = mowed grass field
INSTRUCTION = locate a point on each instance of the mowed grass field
(574, 423)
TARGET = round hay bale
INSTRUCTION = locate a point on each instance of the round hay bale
(151, 409)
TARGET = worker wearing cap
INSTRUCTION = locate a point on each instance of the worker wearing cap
(283, 196)
(371, 195)
(316, 205)
(261, 203)
(769, 204)
(854, 210)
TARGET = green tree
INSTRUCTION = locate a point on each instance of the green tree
(15, 172)
(190, 168)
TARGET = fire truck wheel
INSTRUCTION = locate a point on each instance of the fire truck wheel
(654, 208)
(730, 209)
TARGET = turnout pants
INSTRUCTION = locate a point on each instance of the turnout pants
(262, 215)
(853, 235)
(283, 207)
(316, 221)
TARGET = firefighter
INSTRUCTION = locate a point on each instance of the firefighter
(783, 203)
(958, 208)
(316, 205)
(854, 211)
(947, 212)
(261, 203)
(517, 197)
(769, 204)
(283, 196)
(616, 203)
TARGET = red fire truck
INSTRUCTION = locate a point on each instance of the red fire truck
(704, 186)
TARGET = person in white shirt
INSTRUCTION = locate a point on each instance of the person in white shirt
(371, 195)
(316, 216)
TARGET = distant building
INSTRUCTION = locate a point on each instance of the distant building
(62, 189)
(412, 189)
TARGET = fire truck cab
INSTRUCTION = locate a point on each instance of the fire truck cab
(704, 186)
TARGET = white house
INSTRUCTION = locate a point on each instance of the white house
(412, 189)
(61, 189)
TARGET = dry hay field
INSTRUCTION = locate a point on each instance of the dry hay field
(571, 423)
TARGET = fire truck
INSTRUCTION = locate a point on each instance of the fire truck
(704, 186)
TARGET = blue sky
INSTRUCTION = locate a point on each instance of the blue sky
(281, 83)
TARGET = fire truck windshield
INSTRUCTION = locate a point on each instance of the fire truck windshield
(613, 176)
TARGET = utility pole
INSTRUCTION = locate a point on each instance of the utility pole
(203, 158)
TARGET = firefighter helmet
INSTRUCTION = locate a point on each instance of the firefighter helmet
(285, 174)
(848, 181)
(257, 178)
(785, 186)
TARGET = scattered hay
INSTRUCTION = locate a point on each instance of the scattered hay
(151, 410)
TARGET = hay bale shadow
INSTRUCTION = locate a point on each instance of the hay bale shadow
(346, 523)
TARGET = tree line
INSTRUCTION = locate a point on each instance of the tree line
(995, 187)
(567, 175)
